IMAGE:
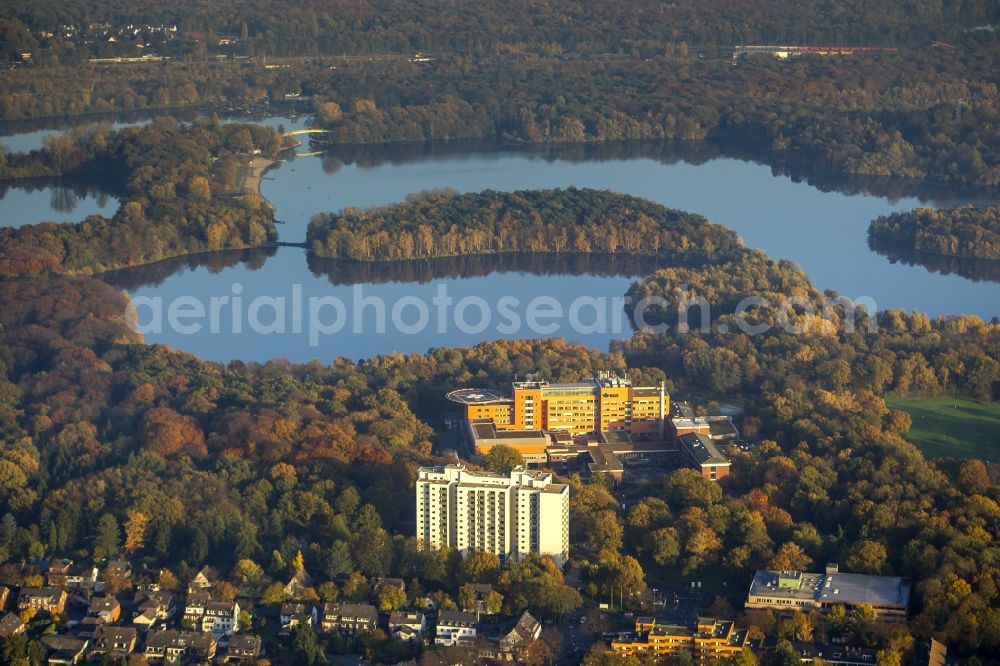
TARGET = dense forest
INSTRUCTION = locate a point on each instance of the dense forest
(581, 221)
(929, 113)
(812, 339)
(491, 27)
(814, 383)
(969, 231)
(116, 447)
(111, 447)
(816, 350)
(177, 190)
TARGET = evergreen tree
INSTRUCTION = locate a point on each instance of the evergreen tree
(107, 542)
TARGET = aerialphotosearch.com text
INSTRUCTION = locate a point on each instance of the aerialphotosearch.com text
(320, 317)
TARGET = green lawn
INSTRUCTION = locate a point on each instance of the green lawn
(241, 175)
(952, 427)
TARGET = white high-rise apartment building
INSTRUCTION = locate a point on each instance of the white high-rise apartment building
(510, 515)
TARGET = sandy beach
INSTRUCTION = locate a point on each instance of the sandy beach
(257, 166)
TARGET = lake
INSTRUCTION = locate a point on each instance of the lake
(259, 305)
(818, 227)
(65, 200)
(52, 200)
(23, 136)
(817, 221)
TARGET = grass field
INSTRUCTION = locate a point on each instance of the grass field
(952, 427)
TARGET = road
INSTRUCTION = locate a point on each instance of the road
(576, 639)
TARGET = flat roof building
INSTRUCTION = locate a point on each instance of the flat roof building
(531, 444)
(606, 402)
(707, 639)
(701, 453)
(794, 590)
(510, 515)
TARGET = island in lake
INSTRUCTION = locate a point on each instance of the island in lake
(969, 231)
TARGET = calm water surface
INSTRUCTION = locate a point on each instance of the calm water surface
(23, 136)
(820, 224)
(52, 201)
(481, 299)
(822, 231)
(62, 200)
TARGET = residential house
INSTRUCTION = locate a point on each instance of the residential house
(4, 596)
(102, 610)
(11, 625)
(107, 609)
(243, 647)
(64, 650)
(377, 584)
(221, 618)
(518, 641)
(455, 628)
(299, 583)
(115, 642)
(293, 613)
(194, 608)
(482, 591)
(55, 576)
(407, 625)
(148, 579)
(349, 619)
(81, 577)
(50, 600)
(145, 619)
(120, 568)
(204, 580)
(153, 608)
(117, 570)
(69, 575)
(179, 646)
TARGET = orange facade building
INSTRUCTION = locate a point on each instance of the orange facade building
(606, 403)
(707, 640)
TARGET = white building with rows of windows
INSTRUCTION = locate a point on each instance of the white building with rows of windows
(510, 515)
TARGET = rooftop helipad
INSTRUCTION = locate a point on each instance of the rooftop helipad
(474, 396)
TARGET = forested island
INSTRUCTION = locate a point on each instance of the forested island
(968, 231)
(580, 221)
(179, 192)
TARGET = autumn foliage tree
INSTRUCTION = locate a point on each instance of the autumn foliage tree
(136, 528)
(168, 433)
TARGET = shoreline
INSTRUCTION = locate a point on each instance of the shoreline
(257, 166)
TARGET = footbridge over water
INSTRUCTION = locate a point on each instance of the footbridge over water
(308, 130)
